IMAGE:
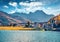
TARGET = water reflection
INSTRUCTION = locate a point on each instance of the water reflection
(29, 36)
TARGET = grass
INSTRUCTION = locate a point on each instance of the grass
(15, 28)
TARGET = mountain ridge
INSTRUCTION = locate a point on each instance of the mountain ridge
(38, 16)
(6, 19)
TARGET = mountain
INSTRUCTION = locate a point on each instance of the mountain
(6, 19)
(38, 16)
(19, 17)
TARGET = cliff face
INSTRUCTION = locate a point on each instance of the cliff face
(56, 18)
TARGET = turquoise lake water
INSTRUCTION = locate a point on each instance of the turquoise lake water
(29, 36)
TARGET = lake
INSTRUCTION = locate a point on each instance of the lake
(29, 36)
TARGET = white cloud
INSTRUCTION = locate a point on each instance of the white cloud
(5, 6)
(47, 2)
(17, 10)
(21, 10)
(32, 7)
(31, 4)
(13, 3)
(50, 10)
(12, 11)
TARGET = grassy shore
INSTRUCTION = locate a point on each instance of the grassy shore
(15, 28)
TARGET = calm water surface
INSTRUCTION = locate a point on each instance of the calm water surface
(29, 36)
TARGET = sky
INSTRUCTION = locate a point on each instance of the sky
(27, 6)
